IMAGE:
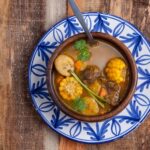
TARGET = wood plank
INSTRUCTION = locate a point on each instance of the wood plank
(91, 5)
(5, 79)
(55, 11)
(141, 16)
(23, 28)
(121, 8)
(66, 144)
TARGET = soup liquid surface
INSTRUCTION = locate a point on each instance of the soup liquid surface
(100, 54)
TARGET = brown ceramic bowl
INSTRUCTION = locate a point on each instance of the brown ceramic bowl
(132, 83)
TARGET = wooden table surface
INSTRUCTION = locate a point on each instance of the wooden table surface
(22, 23)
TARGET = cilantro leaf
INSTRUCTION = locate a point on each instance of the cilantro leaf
(84, 56)
(80, 45)
(79, 104)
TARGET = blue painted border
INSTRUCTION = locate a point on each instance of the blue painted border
(33, 100)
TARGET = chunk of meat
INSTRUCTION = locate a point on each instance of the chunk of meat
(113, 90)
(91, 73)
(103, 92)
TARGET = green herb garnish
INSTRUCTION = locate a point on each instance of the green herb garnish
(82, 47)
(79, 104)
(84, 56)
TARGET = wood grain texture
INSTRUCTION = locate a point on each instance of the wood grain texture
(22, 23)
(5, 71)
(91, 5)
(55, 11)
(141, 16)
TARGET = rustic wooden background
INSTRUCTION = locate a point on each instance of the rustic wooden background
(22, 22)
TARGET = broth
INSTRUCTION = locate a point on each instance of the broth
(100, 56)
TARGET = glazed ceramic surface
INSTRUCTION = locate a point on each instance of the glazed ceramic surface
(97, 132)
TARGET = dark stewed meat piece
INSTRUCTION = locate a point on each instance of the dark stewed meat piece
(113, 90)
(91, 73)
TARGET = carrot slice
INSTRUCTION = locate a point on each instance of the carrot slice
(59, 78)
(80, 65)
(103, 92)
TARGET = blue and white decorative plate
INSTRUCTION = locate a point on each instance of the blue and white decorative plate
(98, 132)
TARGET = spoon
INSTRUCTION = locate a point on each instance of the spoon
(82, 22)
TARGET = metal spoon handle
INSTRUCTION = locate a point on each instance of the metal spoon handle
(80, 19)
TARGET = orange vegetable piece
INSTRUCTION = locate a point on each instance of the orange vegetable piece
(59, 78)
(80, 65)
(103, 92)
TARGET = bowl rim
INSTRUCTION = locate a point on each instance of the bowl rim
(132, 85)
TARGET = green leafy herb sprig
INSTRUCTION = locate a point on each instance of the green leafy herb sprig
(82, 47)
(79, 104)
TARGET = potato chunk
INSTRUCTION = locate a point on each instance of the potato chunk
(64, 64)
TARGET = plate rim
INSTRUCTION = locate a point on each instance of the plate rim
(33, 100)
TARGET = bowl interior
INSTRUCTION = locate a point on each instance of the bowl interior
(118, 46)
